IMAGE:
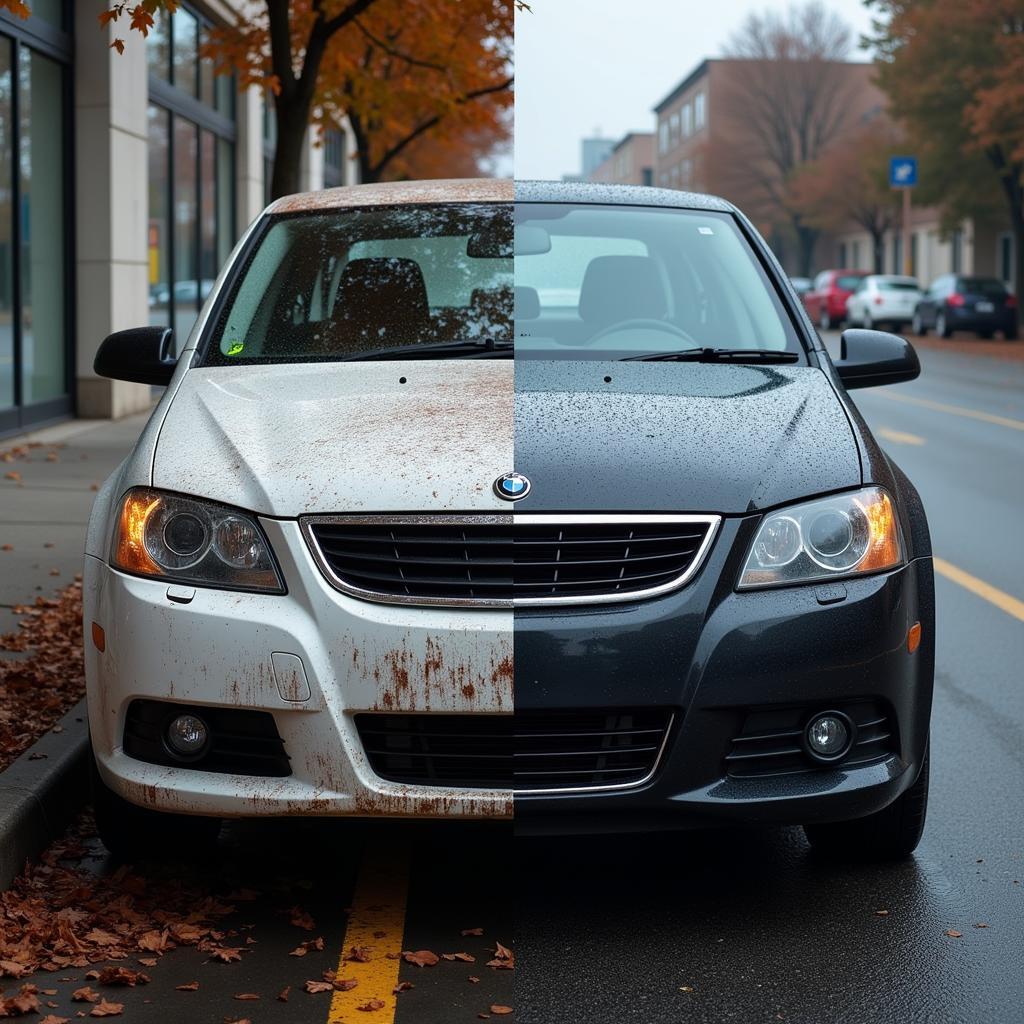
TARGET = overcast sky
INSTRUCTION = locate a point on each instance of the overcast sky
(586, 65)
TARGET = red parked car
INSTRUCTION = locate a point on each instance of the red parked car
(826, 301)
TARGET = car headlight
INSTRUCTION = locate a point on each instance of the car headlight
(845, 535)
(188, 540)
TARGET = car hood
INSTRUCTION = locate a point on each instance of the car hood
(286, 440)
(686, 437)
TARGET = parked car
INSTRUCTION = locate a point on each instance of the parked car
(356, 567)
(801, 285)
(883, 299)
(955, 302)
(826, 301)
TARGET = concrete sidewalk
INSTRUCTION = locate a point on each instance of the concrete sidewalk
(46, 495)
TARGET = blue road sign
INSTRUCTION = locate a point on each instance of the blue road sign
(903, 171)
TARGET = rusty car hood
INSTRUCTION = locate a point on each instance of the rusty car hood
(288, 440)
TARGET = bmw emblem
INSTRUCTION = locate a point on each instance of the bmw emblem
(512, 486)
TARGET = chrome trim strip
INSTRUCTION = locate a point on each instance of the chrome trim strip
(618, 787)
(713, 522)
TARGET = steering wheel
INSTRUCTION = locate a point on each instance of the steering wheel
(644, 323)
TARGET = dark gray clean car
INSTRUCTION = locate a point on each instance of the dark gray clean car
(741, 627)
(958, 303)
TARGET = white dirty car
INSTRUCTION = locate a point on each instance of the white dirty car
(350, 371)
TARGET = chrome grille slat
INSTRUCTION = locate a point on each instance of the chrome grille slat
(504, 561)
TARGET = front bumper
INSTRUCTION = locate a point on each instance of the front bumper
(713, 655)
(216, 650)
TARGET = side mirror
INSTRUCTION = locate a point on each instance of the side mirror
(144, 355)
(868, 358)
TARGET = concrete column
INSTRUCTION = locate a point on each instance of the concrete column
(111, 205)
(311, 174)
(249, 157)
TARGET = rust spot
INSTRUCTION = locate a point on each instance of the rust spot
(457, 190)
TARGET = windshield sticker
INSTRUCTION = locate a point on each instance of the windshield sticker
(705, 231)
(235, 348)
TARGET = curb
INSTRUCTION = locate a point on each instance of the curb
(40, 795)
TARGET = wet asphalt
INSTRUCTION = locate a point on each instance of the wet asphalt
(714, 926)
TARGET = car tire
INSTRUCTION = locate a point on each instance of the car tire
(889, 834)
(1011, 334)
(917, 326)
(824, 320)
(133, 833)
(942, 328)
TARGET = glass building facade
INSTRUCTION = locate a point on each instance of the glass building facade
(191, 143)
(35, 217)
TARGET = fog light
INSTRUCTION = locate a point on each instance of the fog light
(828, 736)
(187, 735)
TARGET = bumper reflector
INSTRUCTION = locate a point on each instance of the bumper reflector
(914, 637)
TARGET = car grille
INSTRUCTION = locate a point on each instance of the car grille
(771, 741)
(506, 560)
(527, 752)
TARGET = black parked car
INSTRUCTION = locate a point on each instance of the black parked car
(742, 625)
(958, 303)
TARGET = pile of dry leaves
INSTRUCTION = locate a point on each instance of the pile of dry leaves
(37, 689)
(58, 916)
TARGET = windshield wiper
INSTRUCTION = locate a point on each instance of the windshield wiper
(468, 349)
(716, 355)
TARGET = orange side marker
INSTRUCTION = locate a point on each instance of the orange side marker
(914, 637)
(99, 638)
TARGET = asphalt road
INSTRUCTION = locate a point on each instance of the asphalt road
(725, 926)
(746, 926)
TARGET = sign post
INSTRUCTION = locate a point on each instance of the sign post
(903, 175)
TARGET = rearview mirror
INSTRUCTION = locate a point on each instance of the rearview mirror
(531, 240)
(868, 358)
(144, 355)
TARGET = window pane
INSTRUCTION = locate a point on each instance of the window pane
(206, 83)
(159, 218)
(207, 213)
(224, 86)
(186, 64)
(225, 200)
(185, 296)
(49, 10)
(42, 228)
(6, 232)
(158, 46)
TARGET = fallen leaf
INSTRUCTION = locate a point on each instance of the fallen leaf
(282, 996)
(421, 958)
(402, 986)
(466, 958)
(301, 919)
(359, 954)
(105, 1009)
(345, 984)
(371, 1005)
(881, 913)
(189, 986)
(247, 996)
(85, 995)
(318, 986)
(53, 1019)
(501, 1011)
(981, 924)
(953, 934)
(472, 931)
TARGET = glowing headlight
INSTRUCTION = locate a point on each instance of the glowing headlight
(192, 541)
(845, 535)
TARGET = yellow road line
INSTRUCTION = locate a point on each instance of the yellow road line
(1007, 603)
(955, 410)
(376, 924)
(899, 436)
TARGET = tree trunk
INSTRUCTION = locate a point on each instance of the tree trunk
(292, 121)
(878, 251)
(806, 239)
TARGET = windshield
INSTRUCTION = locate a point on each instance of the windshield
(426, 281)
(898, 285)
(848, 282)
(987, 286)
(613, 282)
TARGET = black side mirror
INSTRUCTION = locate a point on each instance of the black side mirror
(144, 355)
(868, 358)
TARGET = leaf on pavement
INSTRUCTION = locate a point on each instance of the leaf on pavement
(23, 1002)
(282, 996)
(304, 947)
(318, 986)
(345, 984)
(466, 958)
(247, 996)
(471, 931)
(504, 958)
(402, 986)
(358, 954)
(105, 1009)
(189, 986)
(302, 919)
(501, 1011)
(371, 1005)
(953, 934)
(421, 958)
(85, 995)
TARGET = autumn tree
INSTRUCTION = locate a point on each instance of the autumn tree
(955, 73)
(788, 101)
(402, 71)
(849, 184)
